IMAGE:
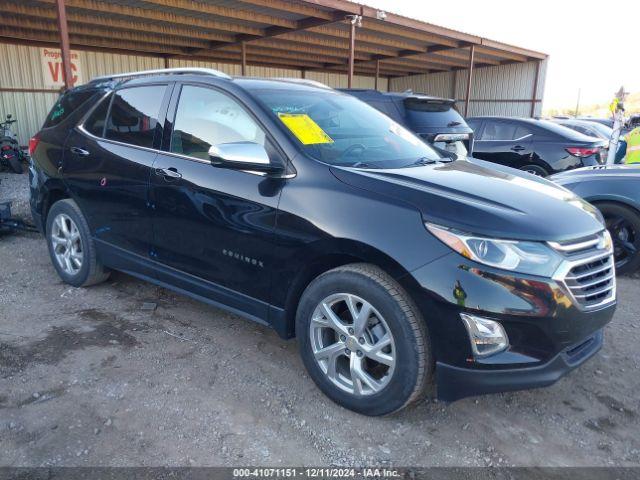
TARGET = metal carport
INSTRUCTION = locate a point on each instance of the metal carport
(309, 36)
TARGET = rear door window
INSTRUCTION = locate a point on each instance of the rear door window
(134, 113)
(496, 131)
(503, 131)
(97, 120)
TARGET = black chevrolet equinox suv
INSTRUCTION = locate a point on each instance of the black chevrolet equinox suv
(399, 270)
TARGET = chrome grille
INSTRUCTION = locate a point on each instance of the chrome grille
(588, 272)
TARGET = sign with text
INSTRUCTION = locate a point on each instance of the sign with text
(51, 59)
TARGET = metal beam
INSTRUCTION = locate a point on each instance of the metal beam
(64, 44)
(243, 59)
(352, 50)
(534, 95)
(375, 83)
(472, 51)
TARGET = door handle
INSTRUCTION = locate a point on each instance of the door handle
(81, 152)
(168, 173)
(518, 148)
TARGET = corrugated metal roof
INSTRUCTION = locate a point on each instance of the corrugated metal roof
(199, 29)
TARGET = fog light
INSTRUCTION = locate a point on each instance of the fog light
(487, 336)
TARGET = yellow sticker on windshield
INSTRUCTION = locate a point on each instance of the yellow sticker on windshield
(303, 127)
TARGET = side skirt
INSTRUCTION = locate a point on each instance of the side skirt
(207, 292)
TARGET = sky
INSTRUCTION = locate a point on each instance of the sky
(593, 46)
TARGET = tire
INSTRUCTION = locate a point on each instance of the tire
(16, 164)
(623, 224)
(408, 367)
(535, 170)
(83, 268)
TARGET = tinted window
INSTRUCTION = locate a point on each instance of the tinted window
(521, 131)
(339, 129)
(498, 130)
(96, 121)
(133, 117)
(601, 130)
(207, 117)
(66, 105)
(474, 124)
(432, 113)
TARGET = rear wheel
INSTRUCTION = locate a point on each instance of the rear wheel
(535, 170)
(623, 224)
(363, 340)
(71, 247)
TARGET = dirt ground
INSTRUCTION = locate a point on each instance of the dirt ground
(126, 373)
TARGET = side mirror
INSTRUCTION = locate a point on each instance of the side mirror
(242, 156)
(9, 117)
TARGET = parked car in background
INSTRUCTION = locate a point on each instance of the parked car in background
(602, 121)
(540, 147)
(633, 122)
(596, 130)
(433, 119)
(300, 207)
(615, 190)
(590, 129)
(607, 122)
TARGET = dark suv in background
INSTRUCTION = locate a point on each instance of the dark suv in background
(433, 119)
(305, 209)
(539, 147)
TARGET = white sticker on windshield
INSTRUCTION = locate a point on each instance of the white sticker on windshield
(403, 133)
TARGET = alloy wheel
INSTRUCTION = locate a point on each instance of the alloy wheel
(352, 344)
(67, 244)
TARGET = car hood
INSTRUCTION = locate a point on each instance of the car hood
(596, 173)
(483, 198)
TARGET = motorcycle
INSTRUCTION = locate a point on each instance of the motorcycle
(11, 155)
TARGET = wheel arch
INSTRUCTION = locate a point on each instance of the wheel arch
(326, 257)
(621, 201)
(53, 192)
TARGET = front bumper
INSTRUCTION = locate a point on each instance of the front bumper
(454, 383)
(548, 333)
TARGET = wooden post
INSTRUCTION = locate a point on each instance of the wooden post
(472, 52)
(64, 44)
(352, 52)
(534, 95)
(375, 84)
(243, 49)
(454, 85)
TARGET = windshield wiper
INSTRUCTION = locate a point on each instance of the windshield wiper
(425, 161)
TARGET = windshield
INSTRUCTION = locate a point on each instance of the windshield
(339, 129)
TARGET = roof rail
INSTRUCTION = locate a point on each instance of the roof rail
(304, 81)
(164, 71)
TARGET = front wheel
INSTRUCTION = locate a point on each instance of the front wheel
(363, 340)
(623, 224)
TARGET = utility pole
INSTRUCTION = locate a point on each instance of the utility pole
(578, 104)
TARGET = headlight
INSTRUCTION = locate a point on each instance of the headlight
(533, 258)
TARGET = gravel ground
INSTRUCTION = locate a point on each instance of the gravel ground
(126, 373)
